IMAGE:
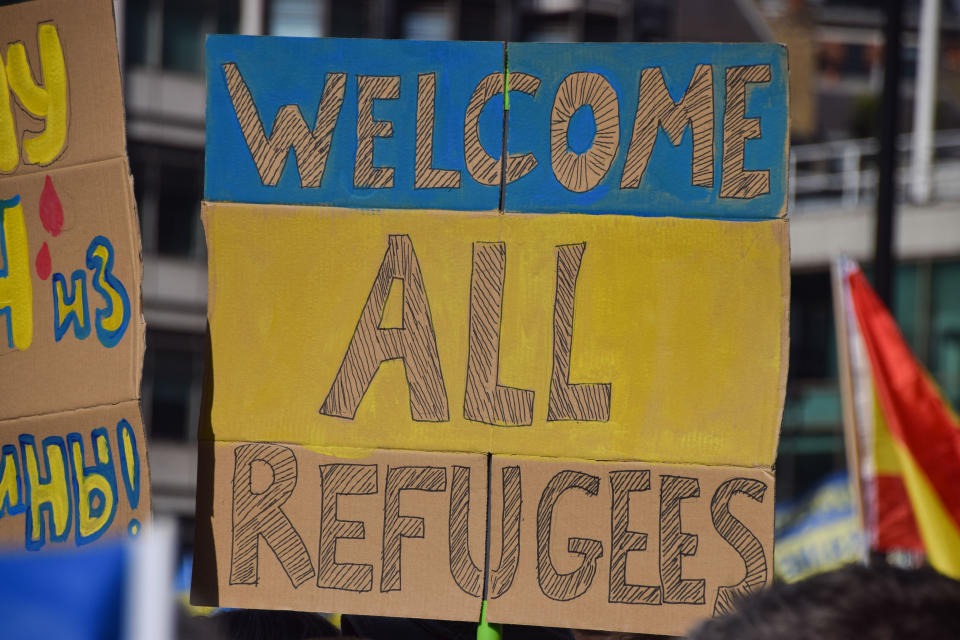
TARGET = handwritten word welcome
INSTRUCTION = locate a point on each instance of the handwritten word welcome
(627, 129)
(577, 172)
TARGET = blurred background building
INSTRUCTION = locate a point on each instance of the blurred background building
(835, 49)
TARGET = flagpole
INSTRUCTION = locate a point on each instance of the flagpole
(851, 441)
(925, 103)
(150, 606)
(884, 259)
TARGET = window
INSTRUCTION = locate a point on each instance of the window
(600, 28)
(428, 21)
(908, 307)
(927, 310)
(804, 461)
(813, 351)
(811, 443)
(178, 203)
(350, 19)
(169, 33)
(168, 186)
(300, 18)
(172, 384)
(654, 21)
(945, 329)
(549, 28)
(135, 32)
(483, 20)
(183, 28)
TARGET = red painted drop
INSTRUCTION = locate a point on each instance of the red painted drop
(43, 262)
(51, 211)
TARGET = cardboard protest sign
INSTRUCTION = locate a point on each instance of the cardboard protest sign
(72, 465)
(614, 343)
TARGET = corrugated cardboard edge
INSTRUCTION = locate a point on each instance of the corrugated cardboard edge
(784, 232)
(204, 587)
(786, 143)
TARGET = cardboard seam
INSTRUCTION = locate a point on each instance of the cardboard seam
(45, 414)
(51, 170)
(526, 456)
(496, 212)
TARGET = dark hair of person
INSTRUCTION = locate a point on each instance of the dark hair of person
(854, 603)
(253, 624)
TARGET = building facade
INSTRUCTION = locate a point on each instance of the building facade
(834, 61)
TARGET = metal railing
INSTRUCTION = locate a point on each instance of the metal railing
(842, 174)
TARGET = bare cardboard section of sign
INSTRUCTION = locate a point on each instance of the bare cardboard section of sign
(625, 545)
(71, 326)
(372, 532)
(572, 543)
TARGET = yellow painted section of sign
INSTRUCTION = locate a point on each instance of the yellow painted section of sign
(685, 319)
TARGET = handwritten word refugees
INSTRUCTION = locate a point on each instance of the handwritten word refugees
(258, 515)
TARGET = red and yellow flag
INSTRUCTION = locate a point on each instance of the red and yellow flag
(907, 436)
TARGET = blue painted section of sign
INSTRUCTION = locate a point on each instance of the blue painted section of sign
(665, 189)
(77, 594)
(293, 71)
(290, 76)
